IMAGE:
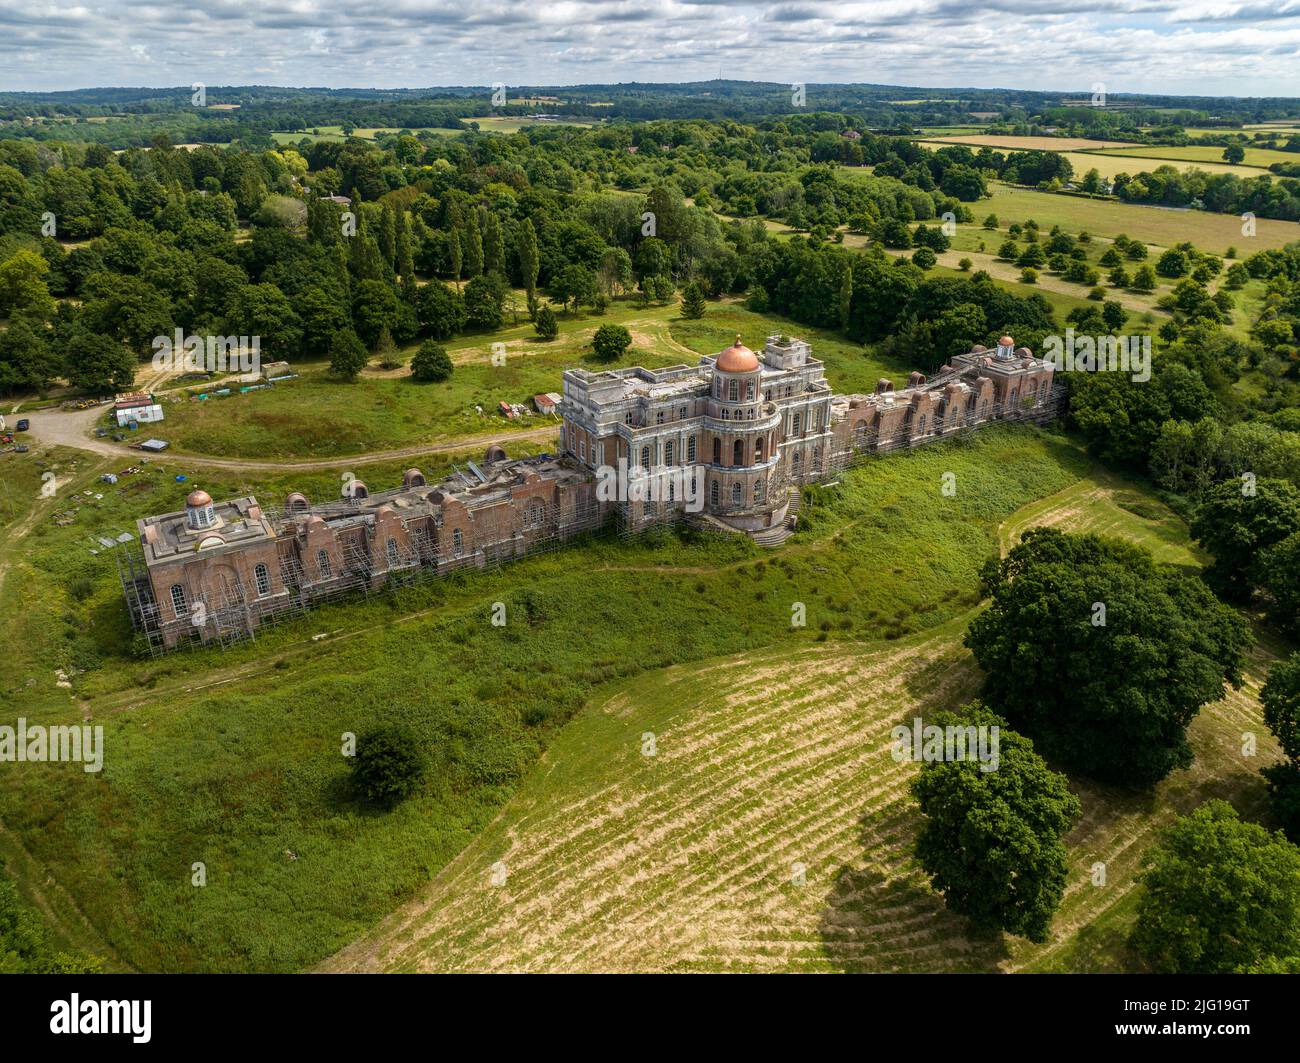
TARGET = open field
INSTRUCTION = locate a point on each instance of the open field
(335, 133)
(314, 416)
(1156, 226)
(772, 829)
(1111, 163)
(513, 124)
(1258, 157)
(233, 759)
(1010, 143)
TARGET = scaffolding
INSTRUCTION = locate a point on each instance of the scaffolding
(365, 567)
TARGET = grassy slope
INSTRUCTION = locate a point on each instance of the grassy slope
(233, 759)
(766, 761)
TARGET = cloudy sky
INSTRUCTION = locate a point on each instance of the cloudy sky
(1218, 47)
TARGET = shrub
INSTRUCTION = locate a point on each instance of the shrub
(388, 766)
(431, 363)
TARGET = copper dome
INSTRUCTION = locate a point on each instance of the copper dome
(737, 359)
(198, 497)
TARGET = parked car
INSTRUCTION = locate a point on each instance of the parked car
(23, 425)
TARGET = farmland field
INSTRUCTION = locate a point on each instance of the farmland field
(1157, 226)
(1010, 143)
(1258, 157)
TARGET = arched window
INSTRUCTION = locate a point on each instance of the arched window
(860, 435)
(178, 600)
(323, 563)
(717, 451)
(733, 390)
(726, 414)
(263, 580)
(645, 458)
(758, 450)
(534, 515)
(749, 389)
(922, 425)
(394, 559)
(737, 494)
(672, 491)
(457, 542)
(738, 453)
(796, 424)
(758, 491)
(713, 492)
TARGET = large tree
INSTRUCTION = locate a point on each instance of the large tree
(1101, 656)
(1236, 522)
(1280, 697)
(991, 842)
(98, 364)
(441, 310)
(1219, 895)
(348, 355)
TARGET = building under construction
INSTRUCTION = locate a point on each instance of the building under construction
(725, 445)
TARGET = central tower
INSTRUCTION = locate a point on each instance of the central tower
(742, 432)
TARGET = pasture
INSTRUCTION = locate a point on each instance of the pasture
(1261, 158)
(1156, 226)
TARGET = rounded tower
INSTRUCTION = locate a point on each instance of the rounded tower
(740, 437)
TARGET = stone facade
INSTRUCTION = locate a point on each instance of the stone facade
(749, 429)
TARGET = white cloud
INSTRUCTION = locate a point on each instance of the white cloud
(1196, 47)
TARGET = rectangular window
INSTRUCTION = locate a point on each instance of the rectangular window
(690, 449)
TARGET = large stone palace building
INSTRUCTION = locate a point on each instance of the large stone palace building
(732, 438)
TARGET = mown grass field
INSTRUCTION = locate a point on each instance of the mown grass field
(772, 829)
(233, 759)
